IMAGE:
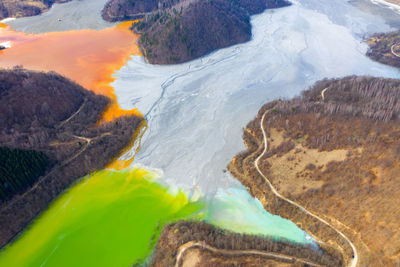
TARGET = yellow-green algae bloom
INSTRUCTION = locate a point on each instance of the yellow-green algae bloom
(110, 218)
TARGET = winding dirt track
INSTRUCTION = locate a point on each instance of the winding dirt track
(88, 142)
(354, 261)
(323, 94)
(392, 50)
(74, 114)
(192, 244)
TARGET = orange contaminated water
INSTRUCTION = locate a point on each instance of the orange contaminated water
(88, 57)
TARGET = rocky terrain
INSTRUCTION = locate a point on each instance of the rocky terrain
(334, 151)
(25, 8)
(201, 244)
(385, 48)
(179, 31)
(55, 121)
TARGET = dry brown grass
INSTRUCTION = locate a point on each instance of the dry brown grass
(338, 158)
(292, 172)
(202, 258)
(358, 188)
(223, 248)
(192, 258)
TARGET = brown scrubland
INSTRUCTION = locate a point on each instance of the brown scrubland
(25, 8)
(174, 236)
(198, 258)
(338, 157)
(49, 114)
(382, 46)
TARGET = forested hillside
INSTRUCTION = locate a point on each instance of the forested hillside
(117, 10)
(50, 137)
(179, 31)
(33, 106)
(176, 235)
(19, 169)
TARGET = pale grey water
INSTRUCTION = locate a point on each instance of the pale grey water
(74, 15)
(196, 111)
(391, 16)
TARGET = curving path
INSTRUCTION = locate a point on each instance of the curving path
(354, 261)
(88, 142)
(74, 114)
(392, 50)
(323, 94)
(192, 244)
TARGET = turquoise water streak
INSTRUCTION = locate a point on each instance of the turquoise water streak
(236, 210)
(113, 218)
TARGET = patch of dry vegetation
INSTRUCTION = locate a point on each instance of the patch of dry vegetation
(298, 163)
(176, 31)
(339, 158)
(177, 234)
(202, 258)
(25, 8)
(381, 48)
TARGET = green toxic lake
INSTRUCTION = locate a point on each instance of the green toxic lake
(111, 218)
(114, 218)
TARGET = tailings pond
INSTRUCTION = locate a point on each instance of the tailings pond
(196, 113)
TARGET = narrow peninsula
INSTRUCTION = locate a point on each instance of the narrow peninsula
(201, 244)
(179, 31)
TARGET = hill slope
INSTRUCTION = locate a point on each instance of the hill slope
(179, 31)
(20, 169)
(334, 151)
(54, 122)
(201, 244)
(385, 48)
